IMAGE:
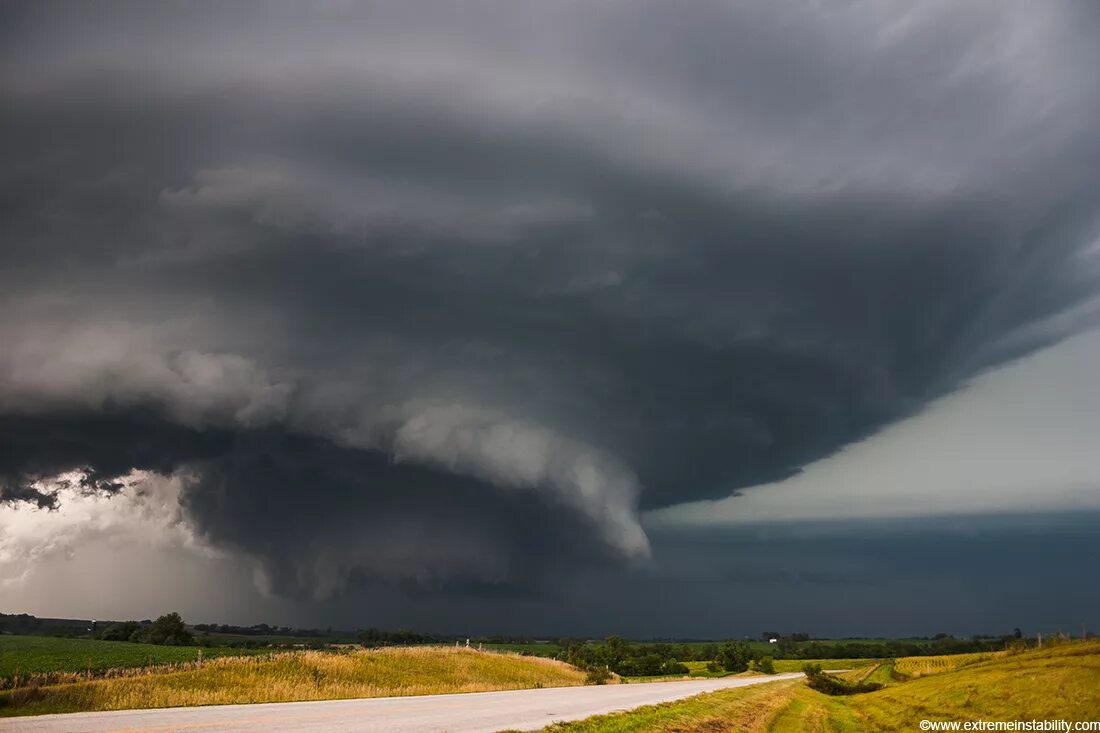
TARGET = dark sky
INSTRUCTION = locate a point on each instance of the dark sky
(551, 317)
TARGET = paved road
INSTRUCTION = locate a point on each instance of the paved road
(479, 712)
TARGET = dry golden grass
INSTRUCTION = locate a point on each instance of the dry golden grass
(1061, 682)
(294, 676)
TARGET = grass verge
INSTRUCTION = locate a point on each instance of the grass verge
(295, 676)
(742, 709)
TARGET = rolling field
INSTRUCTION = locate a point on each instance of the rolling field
(295, 676)
(1062, 682)
(1057, 683)
(891, 671)
(914, 667)
(45, 658)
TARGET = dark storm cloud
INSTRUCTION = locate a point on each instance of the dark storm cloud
(318, 516)
(431, 275)
(312, 515)
(104, 447)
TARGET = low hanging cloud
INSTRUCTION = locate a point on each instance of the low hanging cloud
(407, 295)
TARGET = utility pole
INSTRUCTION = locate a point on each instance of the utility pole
(1040, 637)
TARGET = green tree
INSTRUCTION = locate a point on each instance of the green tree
(170, 630)
(734, 656)
(120, 632)
(613, 651)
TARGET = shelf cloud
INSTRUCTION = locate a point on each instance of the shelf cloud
(445, 299)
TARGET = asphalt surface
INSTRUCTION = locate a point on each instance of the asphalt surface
(479, 712)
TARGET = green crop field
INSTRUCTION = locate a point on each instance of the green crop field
(44, 657)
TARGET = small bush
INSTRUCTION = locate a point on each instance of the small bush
(765, 665)
(671, 666)
(597, 676)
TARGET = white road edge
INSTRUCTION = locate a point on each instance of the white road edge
(476, 712)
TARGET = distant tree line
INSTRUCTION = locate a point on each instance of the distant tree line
(373, 637)
(622, 657)
(786, 649)
(500, 639)
(262, 630)
(646, 660)
(168, 630)
(631, 659)
(377, 637)
(680, 651)
(28, 625)
(613, 654)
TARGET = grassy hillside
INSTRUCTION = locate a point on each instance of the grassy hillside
(291, 676)
(1062, 682)
(45, 658)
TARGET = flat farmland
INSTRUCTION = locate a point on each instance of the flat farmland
(45, 656)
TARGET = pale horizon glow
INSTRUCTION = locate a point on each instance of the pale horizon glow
(1019, 439)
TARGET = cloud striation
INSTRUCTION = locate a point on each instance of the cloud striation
(400, 293)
